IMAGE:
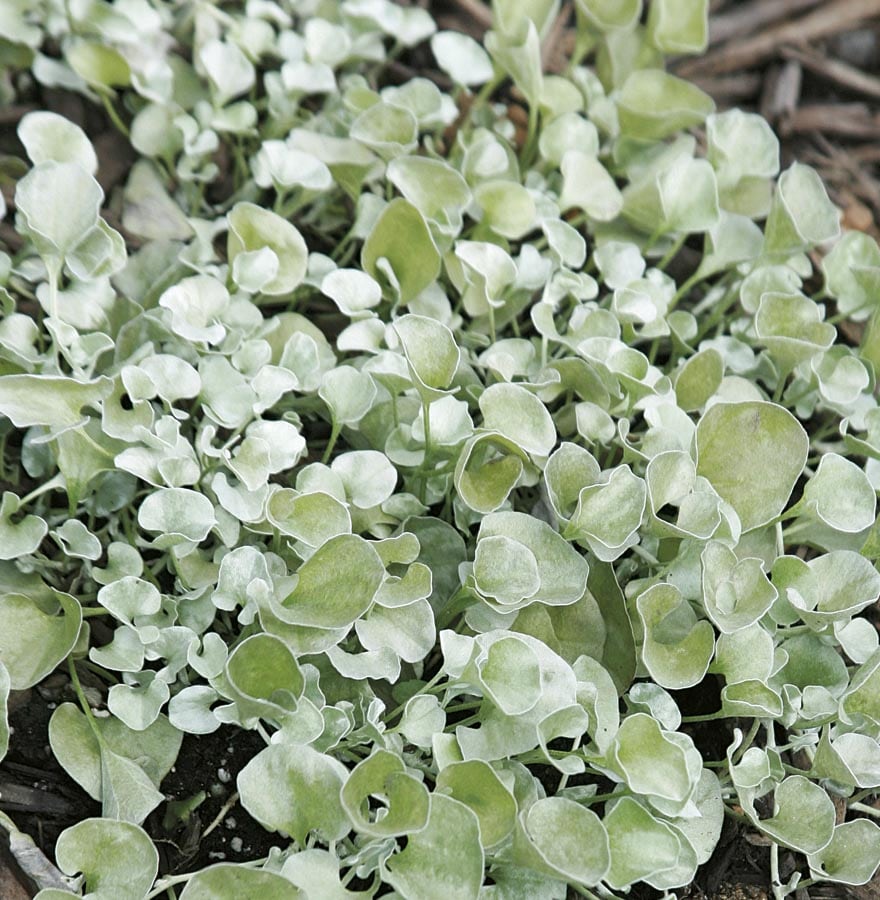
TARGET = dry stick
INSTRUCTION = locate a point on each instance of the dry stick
(844, 74)
(829, 19)
(849, 119)
(730, 89)
(846, 161)
(747, 19)
(479, 13)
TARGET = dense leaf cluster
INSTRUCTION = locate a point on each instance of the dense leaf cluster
(439, 450)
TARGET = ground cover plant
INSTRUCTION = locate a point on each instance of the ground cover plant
(504, 480)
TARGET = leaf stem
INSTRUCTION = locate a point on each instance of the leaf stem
(113, 115)
(335, 430)
(672, 252)
(54, 483)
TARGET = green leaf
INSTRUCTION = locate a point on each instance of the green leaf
(677, 646)
(336, 585)
(508, 208)
(400, 249)
(653, 105)
(654, 763)
(561, 570)
(801, 215)
(387, 129)
(254, 229)
(736, 592)
(295, 790)
(679, 26)
(519, 55)
(791, 327)
(405, 798)
(19, 538)
(588, 185)
(177, 515)
(229, 70)
(840, 495)
(35, 638)
(851, 857)
(510, 674)
(138, 704)
(316, 872)
(442, 860)
(489, 467)
(431, 352)
(229, 881)
(609, 15)
(735, 441)
(264, 678)
(520, 416)
(56, 226)
(609, 513)
(568, 840)
(313, 518)
(49, 400)
(641, 845)
(804, 816)
(118, 859)
(48, 137)
(477, 785)
(461, 57)
(852, 274)
(698, 379)
(97, 64)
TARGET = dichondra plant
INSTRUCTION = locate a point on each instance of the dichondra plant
(451, 434)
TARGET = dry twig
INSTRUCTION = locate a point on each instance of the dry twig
(828, 19)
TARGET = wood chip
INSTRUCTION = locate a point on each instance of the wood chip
(828, 19)
(834, 70)
(728, 90)
(855, 120)
(747, 18)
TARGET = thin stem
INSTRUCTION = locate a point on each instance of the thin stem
(866, 809)
(672, 252)
(54, 483)
(113, 115)
(80, 695)
(424, 689)
(335, 430)
(221, 815)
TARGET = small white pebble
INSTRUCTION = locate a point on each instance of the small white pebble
(236, 844)
(229, 822)
(224, 776)
(217, 854)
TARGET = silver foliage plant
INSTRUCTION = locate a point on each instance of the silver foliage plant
(442, 453)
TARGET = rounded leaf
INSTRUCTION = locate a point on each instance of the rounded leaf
(177, 515)
(228, 881)
(461, 57)
(442, 860)
(752, 453)
(400, 247)
(118, 859)
(295, 790)
(47, 136)
(406, 798)
(253, 229)
(476, 784)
